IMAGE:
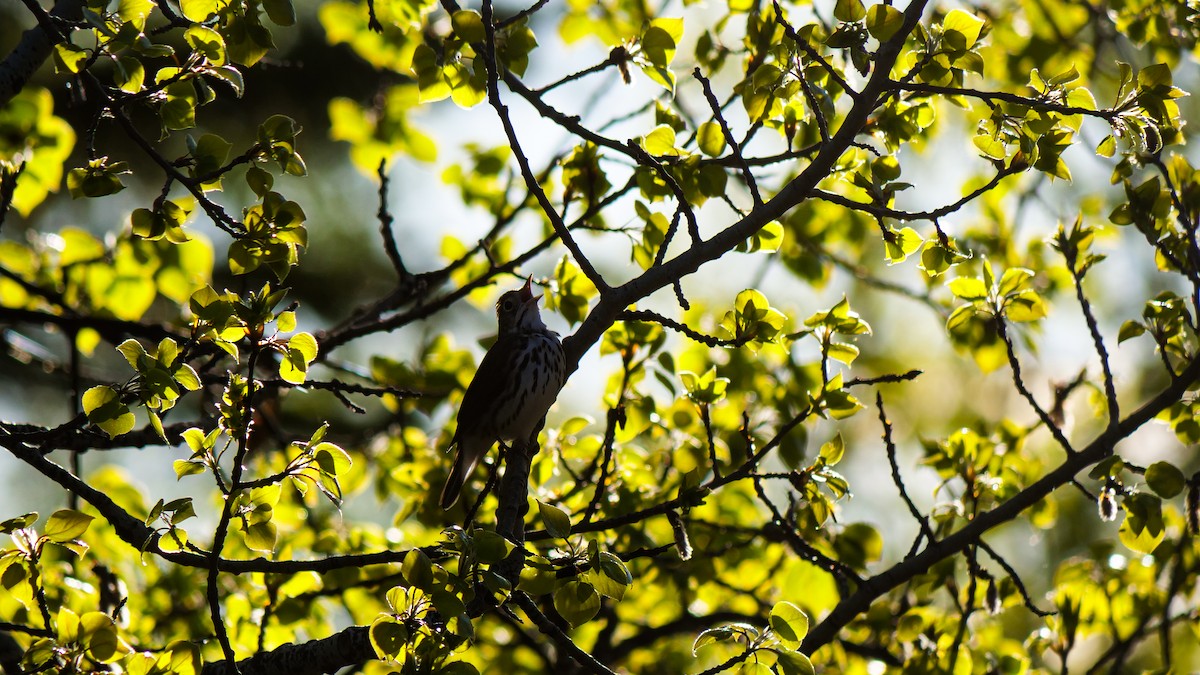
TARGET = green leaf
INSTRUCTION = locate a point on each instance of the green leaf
(417, 569)
(706, 388)
(12, 524)
(173, 540)
(331, 459)
(68, 58)
(104, 408)
(710, 139)
(98, 635)
(1154, 76)
(961, 29)
(843, 352)
(1025, 306)
(990, 146)
(1165, 479)
(210, 153)
(1014, 279)
(259, 180)
(300, 353)
(135, 355)
(769, 238)
(388, 637)
(558, 523)
(1111, 466)
(858, 544)
(286, 322)
(261, 536)
(199, 10)
(614, 578)
(188, 467)
(207, 42)
(490, 547)
(960, 317)
(883, 21)
(901, 244)
(794, 663)
(135, 11)
(468, 25)
(661, 141)
(658, 45)
(1142, 530)
(99, 178)
(849, 10)
(712, 636)
(970, 289)
(790, 624)
(833, 451)
(182, 657)
(575, 425)
(577, 602)
(66, 524)
(537, 581)
(280, 12)
(1130, 329)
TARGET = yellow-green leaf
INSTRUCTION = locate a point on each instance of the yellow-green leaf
(66, 524)
(790, 624)
(711, 139)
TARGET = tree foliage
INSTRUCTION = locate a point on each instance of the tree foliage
(941, 257)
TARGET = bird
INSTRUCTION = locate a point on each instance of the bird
(516, 383)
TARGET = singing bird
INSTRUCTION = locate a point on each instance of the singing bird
(515, 385)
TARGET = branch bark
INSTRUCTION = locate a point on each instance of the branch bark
(612, 303)
(32, 51)
(1102, 446)
(350, 647)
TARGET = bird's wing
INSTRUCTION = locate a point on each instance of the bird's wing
(490, 381)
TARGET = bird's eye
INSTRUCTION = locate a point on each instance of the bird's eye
(507, 305)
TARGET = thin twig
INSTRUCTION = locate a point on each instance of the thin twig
(1101, 446)
(373, 20)
(1012, 574)
(1106, 114)
(235, 486)
(551, 630)
(922, 520)
(734, 148)
(385, 226)
(521, 15)
(655, 317)
(681, 199)
(881, 211)
(1015, 365)
(556, 221)
(814, 105)
(834, 73)
(967, 610)
(604, 65)
(615, 414)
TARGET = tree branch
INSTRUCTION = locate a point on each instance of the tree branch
(350, 647)
(611, 304)
(1102, 446)
(31, 52)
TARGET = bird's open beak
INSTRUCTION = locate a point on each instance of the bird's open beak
(527, 292)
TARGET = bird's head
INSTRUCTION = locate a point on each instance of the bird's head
(518, 310)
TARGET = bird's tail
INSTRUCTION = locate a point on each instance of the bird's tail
(465, 459)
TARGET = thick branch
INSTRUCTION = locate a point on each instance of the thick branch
(137, 534)
(613, 303)
(32, 51)
(351, 647)
(900, 573)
